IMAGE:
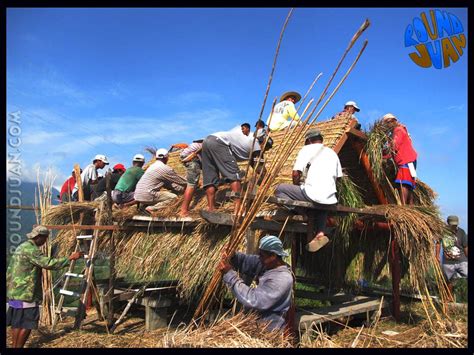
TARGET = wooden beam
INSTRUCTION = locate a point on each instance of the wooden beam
(80, 191)
(226, 220)
(357, 133)
(85, 227)
(315, 206)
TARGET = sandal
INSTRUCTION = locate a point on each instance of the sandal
(317, 243)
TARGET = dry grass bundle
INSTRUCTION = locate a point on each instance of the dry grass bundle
(68, 213)
(416, 230)
(378, 142)
(190, 257)
(239, 331)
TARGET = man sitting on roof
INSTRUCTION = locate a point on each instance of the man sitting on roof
(123, 194)
(66, 190)
(350, 108)
(100, 190)
(220, 153)
(261, 134)
(90, 177)
(405, 157)
(284, 113)
(148, 190)
(320, 167)
(272, 296)
(191, 159)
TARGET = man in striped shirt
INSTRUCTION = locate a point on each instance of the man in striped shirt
(148, 190)
(191, 158)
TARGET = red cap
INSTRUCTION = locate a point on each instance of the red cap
(119, 167)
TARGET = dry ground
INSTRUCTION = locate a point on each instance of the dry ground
(412, 332)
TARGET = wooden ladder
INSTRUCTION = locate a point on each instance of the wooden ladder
(86, 276)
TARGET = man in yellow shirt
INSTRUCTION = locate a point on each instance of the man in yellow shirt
(284, 112)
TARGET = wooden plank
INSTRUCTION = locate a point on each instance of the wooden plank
(226, 220)
(310, 205)
(360, 305)
(340, 297)
(357, 133)
(86, 227)
(80, 191)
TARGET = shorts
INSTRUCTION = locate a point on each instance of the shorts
(25, 318)
(404, 176)
(217, 158)
(193, 172)
(457, 270)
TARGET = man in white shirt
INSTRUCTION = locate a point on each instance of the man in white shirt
(320, 166)
(284, 113)
(90, 177)
(220, 153)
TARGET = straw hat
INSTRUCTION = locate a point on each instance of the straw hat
(296, 95)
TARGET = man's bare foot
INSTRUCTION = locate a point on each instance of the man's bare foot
(317, 243)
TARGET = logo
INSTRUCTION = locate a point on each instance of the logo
(436, 39)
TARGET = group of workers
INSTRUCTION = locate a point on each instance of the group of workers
(216, 156)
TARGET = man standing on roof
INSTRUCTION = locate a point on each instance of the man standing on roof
(405, 158)
(24, 291)
(90, 177)
(66, 190)
(220, 153)
(454, 263)
(100, 191)
(284, 113)
(191, 159)
(350, 108)
(148, 190)
(320, 167)
(261, 134)
(272, 296)
(123, 194)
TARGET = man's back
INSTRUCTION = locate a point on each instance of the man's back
(128, 181)
(239, 143)
(320, 183)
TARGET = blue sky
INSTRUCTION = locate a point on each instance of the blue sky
(114, 81)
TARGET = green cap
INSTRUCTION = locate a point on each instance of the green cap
(38, 230)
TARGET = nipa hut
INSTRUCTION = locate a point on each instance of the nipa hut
(360, 248)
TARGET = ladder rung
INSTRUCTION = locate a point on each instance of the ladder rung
(69, 293)
(71, 274)
(85, 237)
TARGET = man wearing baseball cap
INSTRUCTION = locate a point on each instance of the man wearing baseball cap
(350, 108)
(454, 261)
(284, 113)
(24, 290)
(314, 179)
(123, 194)
(271, 299)
(148, 191)
(100, 191)
(90, 177)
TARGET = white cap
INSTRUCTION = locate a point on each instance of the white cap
(161, 153)
(101, 158)
(352, 103)
(388, 116)
(139, 157)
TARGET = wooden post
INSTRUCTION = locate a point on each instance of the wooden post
(80, 191)
(110, 314)
(395, 270)
(252, 247)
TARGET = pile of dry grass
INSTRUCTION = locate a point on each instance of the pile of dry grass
(239, 331)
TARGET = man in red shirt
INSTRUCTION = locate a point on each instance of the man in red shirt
(66, 189)
(404, 156)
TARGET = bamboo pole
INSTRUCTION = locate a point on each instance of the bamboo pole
(239, 228)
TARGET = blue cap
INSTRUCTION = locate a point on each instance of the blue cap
(272, 244)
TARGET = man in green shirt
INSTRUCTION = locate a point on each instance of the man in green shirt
(24, 291)
(124, 193)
